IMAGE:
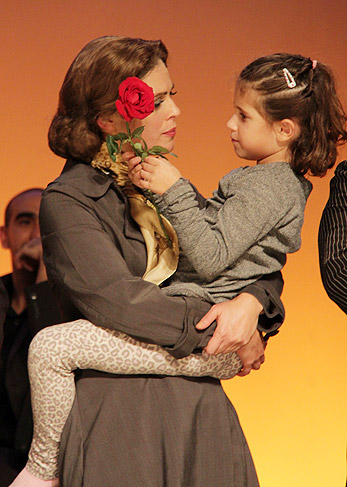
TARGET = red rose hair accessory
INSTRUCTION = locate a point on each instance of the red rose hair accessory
(136, 99)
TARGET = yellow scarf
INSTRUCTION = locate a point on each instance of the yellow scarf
(162, 259)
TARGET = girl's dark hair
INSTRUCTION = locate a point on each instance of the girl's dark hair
(90, 89)
(312, 102)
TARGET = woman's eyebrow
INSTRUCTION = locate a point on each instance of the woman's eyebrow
(162, 93)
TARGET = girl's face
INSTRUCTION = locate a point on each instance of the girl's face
(253, 137)
(160, 125)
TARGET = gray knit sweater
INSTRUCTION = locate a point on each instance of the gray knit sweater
(249, 225)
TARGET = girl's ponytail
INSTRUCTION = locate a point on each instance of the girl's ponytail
(293, 86)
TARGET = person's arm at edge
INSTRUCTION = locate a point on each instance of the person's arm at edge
(332, 239)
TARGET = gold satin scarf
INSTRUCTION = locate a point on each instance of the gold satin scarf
(162, 258)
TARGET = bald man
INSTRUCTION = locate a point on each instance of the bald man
(31, 307)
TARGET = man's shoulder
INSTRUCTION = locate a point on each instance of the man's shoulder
(7, 282)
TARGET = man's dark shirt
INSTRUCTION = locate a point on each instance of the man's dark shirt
(15, 336)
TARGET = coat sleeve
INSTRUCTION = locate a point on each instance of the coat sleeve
(332, 239)
(82, 259)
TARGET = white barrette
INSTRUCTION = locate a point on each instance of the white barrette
(289, 78)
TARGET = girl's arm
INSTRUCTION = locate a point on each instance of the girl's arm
(263, 293)
(254, 204)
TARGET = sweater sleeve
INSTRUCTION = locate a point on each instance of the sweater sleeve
(267, 290)
(254, 205)
(332, 239)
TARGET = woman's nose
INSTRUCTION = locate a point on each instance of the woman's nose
(174, 110)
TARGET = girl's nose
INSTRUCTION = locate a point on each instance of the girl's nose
(231, 123)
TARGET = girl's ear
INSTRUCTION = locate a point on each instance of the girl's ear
(287, 130)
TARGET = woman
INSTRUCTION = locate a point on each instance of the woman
(141, 430)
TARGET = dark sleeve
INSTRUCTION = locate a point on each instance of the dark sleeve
(3, 309)
(91, 267)
(268, 290)
(42, 307)
(332, 239)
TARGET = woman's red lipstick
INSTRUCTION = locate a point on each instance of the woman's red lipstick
(171, 132)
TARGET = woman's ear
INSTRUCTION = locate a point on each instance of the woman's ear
(287, 130)
(108, 124)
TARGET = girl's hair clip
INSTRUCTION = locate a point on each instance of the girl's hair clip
(314, 63)
(289, 78)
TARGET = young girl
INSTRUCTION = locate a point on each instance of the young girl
(288, 119)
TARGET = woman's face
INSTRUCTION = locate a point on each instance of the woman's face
(160, 125)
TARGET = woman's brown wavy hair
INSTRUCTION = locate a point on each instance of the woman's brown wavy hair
(90, 89)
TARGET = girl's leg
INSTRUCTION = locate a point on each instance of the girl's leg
(58, 350)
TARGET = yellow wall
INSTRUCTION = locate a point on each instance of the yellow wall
(293, 410)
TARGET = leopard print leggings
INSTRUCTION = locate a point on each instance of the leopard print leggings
(58, 350)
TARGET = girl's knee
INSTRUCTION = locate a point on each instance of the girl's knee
(42, 346)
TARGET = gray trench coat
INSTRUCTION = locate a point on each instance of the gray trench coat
(152, 431)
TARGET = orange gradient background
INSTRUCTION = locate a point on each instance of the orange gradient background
(293, 410)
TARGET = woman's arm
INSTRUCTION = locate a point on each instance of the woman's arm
(332, 239)
(87, 264)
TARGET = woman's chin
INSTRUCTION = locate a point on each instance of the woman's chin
(169, 145)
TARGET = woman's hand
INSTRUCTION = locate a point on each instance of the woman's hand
(237, 321)
(154, 173)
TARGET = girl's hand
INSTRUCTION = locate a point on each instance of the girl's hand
(237, 321)
(252, 354)
(154, 173)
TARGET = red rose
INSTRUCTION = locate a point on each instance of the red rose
(136, 99)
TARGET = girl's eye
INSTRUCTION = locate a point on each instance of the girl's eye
(242, 116)
(173, 93)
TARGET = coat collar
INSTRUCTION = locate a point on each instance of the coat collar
(92, 183)
(89, 181)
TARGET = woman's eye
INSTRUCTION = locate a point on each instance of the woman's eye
(157, 103)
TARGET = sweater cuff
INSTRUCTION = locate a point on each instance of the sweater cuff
(173, 194)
